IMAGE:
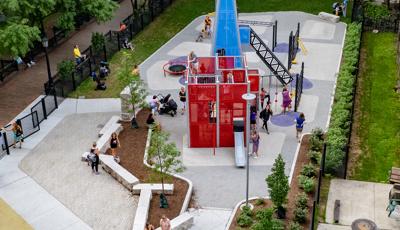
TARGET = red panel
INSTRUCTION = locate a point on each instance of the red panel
(202, 131)
(206, 65)
(254, 83)
(231, 105)
(239, 76)
(226, 62)
(252, 71)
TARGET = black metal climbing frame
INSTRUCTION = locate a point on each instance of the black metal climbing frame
(269, 59)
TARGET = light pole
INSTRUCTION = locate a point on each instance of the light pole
(45, 43)
(248, 97)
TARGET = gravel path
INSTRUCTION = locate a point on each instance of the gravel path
(56, 165)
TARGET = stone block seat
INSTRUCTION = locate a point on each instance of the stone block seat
(329, 17)
(118, 172)
(107, 126)
(155, 188)
(181, 222)
(142, 210)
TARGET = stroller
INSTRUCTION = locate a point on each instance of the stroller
(168, 105)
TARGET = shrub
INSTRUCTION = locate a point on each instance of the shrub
(300, 214)
(316, 143)
(339, 126)
(295, 226)
(98, 41)
(308, 170)
(315, 156)
(266, 220)
(306, 183)
(302, 200)
(260, 202)
(376, 12)
(317, 132)
(65, 69)
(244, 219)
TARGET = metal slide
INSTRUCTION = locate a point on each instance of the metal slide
(240, 156)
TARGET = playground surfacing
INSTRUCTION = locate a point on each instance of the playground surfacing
(217, 182)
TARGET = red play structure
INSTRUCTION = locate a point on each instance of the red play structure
(214, 93)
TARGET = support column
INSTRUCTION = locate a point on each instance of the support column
(217, 112)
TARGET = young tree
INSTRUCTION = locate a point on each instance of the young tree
(278, 185)
(165, 156)
(137, 90)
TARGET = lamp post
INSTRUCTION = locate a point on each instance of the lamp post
(248, 97)
(45, 43)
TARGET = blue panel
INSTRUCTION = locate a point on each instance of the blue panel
(244, 34)
(226, 35)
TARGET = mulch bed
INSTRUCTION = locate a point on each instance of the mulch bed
(131, 153)
(302, 159)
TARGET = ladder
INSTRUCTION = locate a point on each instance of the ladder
(269, 59)
(255, 23)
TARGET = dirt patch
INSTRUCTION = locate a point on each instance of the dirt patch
(131, 153)
(302, 159)
(355, 150)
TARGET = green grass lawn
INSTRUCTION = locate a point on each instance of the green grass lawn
(174, 19)
(379, 128)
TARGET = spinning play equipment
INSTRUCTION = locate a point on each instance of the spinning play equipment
(215, 84)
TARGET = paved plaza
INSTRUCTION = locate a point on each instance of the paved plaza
(217, 182)
(360, 200)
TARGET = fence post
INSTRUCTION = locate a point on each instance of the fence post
(346, 158)
(141, 21)
(151, 9)
(90, 59)
(319, 184)
(105, 52)
(119, 45)
(290, 50)
(276, 33)
(296, 95)
(273, 36)
(323, 159)
(6, 143)
(73, 80)
(55, 98)
(44, 108)
(313, 216)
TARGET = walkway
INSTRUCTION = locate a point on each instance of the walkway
(366, 200)
(35, 203)
(21, 88)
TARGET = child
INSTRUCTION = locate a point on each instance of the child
(286, 99)
(299, 125)
(200, 37)
(255, 138)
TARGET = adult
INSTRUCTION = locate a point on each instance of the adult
(182, 99)
(18, 133)
(286, 103)
(253, 117)
(154, 105)
(265, 114)
(165, 223)
(344, 7)
(207, 26)
(299, 125)
(193, 62)
(114, 144)
(264, 95)
(77, 55)
(94, 158)
(255, 139)
(122, 27)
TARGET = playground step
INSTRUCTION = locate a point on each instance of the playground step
(269, 59)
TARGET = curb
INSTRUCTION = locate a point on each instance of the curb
(190, 189)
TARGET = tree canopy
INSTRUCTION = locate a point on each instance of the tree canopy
(21, 21)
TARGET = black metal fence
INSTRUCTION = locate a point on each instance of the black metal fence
(299, 88)
(114, 42)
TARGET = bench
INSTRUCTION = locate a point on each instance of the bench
(58, 34)
(329, 17)
(113, 120)
(181, 222)
(155, 188)
(142, 210)
(336, 212)
(394, 175)
(118, 172)
(103, 142)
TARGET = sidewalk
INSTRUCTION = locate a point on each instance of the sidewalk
(24, 86)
